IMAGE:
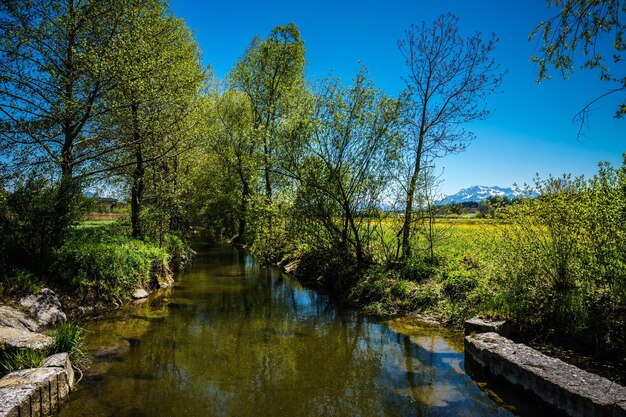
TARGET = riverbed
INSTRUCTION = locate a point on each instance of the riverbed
(233, 338)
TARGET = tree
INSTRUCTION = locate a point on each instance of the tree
(587, 26)
(237, 148)
(53, 60)
(449, 80)
(154, 104)
(345, 164)
(271, 73)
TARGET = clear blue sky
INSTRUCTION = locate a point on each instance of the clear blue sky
(531, 130)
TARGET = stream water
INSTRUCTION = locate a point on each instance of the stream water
(236, 339)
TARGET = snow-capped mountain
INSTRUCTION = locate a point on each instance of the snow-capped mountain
(479, 193)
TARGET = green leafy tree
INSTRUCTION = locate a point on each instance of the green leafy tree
(238, 149)
(154, 105)
(53, 60)
(593, 28)
(271, 74)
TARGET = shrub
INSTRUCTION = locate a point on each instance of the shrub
(19, 282)
(420, 268)
(561, 260)
(457, 284)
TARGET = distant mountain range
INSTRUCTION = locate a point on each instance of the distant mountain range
(479, 193)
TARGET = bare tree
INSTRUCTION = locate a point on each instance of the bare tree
(449, 80)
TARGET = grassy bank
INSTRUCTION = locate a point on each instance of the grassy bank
(552, 281)
(100, 264)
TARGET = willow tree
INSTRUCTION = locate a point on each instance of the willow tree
(271, 74)
(154, 105)
(449, 79)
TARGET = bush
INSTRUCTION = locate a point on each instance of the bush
(420, 268)
(18, 282)
(36, 219)
(457, 284)
(385, 292)
(561, 260)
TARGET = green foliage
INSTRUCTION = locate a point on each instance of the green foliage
(33, 222)
(385, 292)
(109, 269)
(560, 261)
(580, 27)
(70, 338)
(345, 164)
(419, 267)
(18, 283)
(457, 284)
(22, 359)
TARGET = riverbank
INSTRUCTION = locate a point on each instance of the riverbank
(384, 293)
(99, 266)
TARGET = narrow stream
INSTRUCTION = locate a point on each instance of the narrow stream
(235, 339)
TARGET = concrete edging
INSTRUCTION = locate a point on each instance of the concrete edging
(559, 384)
(39, 391)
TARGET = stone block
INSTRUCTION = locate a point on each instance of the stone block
(564, 386)
(33, 392)
(62, 360)
(485, 325)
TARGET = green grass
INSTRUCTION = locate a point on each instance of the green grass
(70, 338)
(22, 359)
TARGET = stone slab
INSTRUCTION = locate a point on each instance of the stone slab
(564, 386)
(61, 360)
(485, 325)
(23, 339)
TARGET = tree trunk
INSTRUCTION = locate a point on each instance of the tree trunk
(138, 187)
(410, 196)
(268, 169)
(245, 195)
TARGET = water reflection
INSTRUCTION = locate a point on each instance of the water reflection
(235, 339)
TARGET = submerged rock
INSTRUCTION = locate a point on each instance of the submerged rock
(10, 317)
(11, 338)
(45, 308)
